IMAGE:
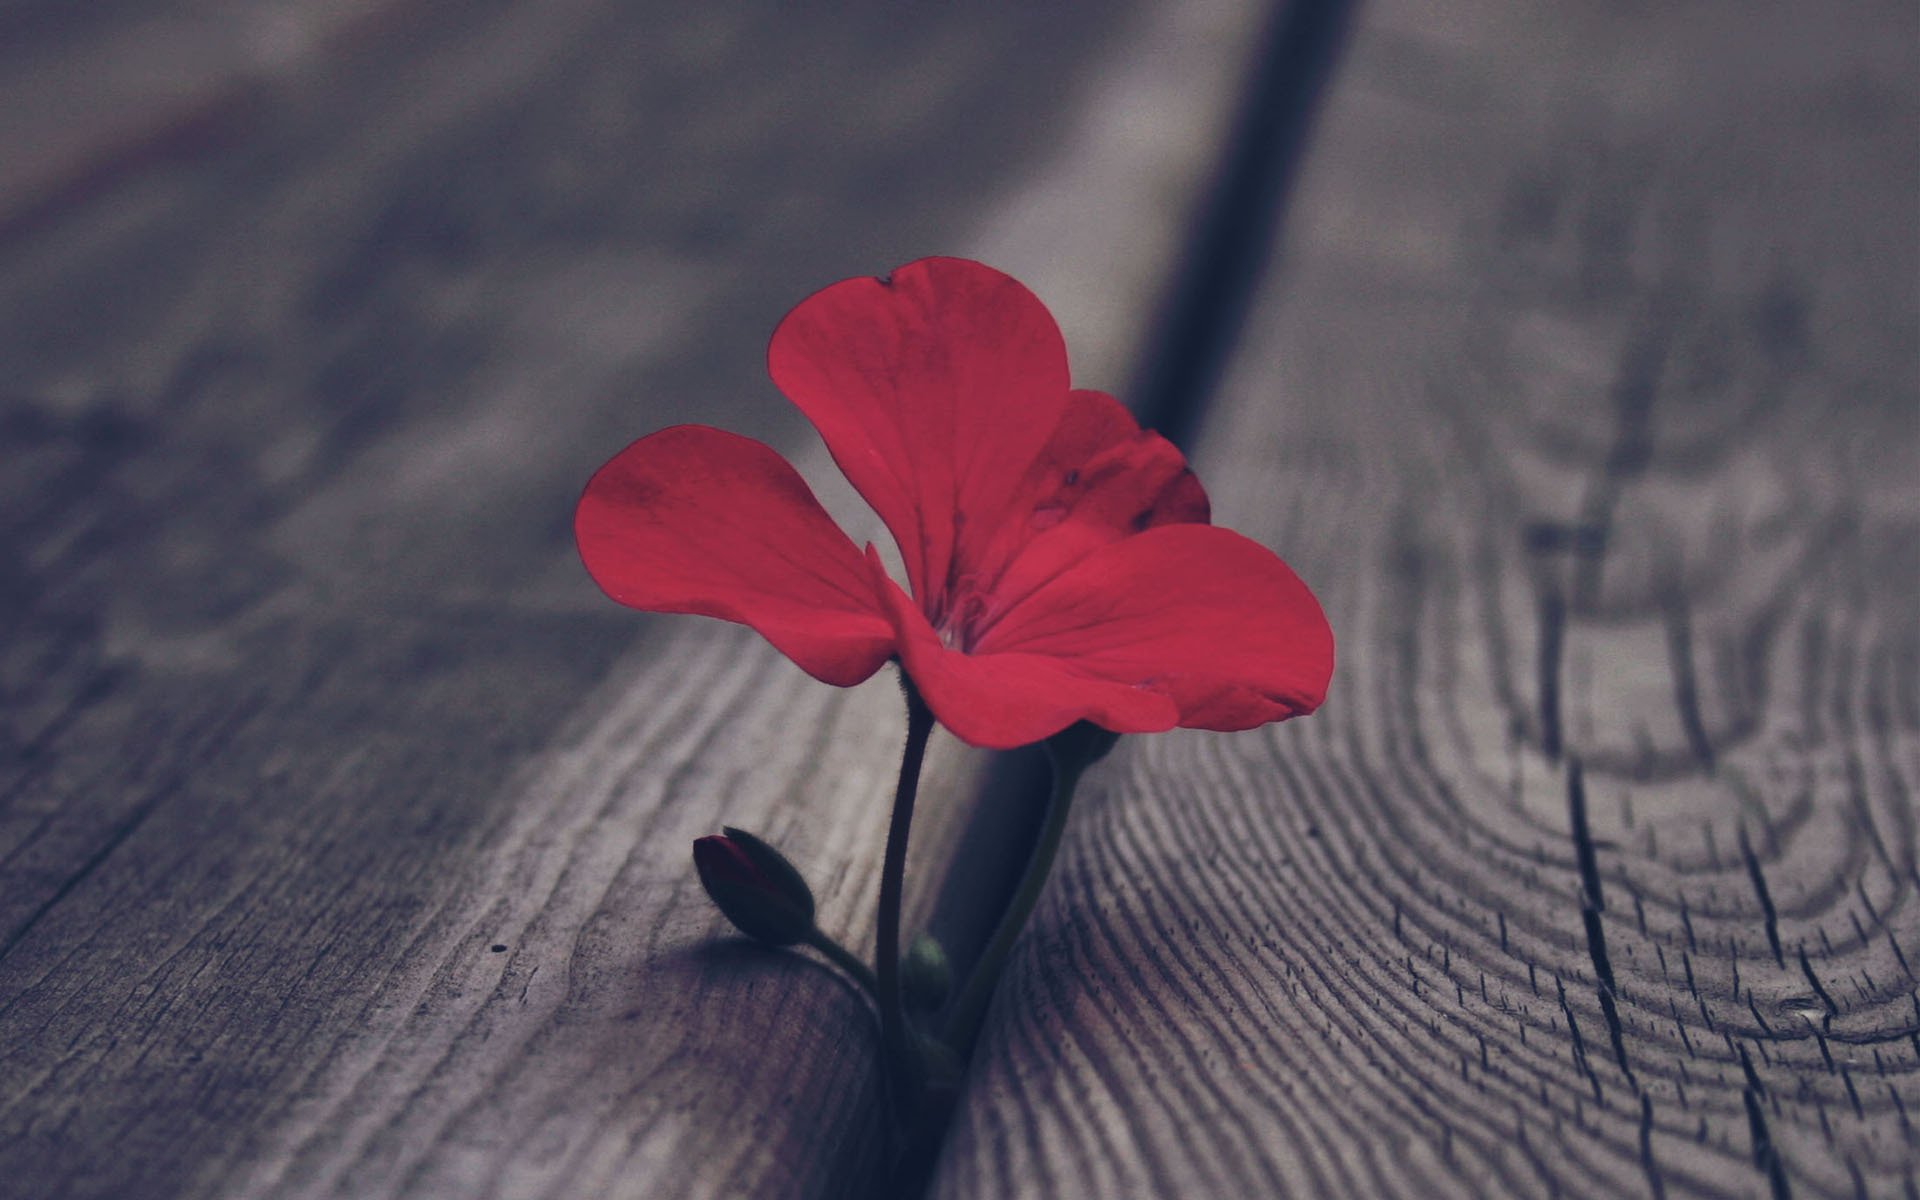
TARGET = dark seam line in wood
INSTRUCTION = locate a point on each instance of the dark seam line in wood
(1901, 955)
(121, 832)
(1239, 219)
(115, 839)
(1588, 538)
(1201, 318)
(1627, 459)
(1592, 904)
(1813, 981)
(1766, 1156)
(1579, 1042)
(1686, 683)
(1553, 628)
(1769, 918)
(1857, 796)
(1655, 1185)
(33, 752)
(1591, 897)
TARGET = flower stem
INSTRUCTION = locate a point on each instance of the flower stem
(846, 960)
(970, 1008)
(901, 1053)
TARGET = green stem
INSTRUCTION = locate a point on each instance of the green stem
(970, 1008)
(900, 1051)
(846, 960)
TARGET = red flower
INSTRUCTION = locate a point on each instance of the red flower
(1060, 559)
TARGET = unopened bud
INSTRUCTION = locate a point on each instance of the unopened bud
(925, 975)
(755, 887)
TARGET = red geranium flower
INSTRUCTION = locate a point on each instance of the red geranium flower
(1060, 560)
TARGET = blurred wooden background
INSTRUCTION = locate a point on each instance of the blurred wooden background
(344, 827)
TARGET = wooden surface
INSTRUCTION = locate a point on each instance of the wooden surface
(1584, 392)
(343, 825)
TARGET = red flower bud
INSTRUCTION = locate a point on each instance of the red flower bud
(755, 887)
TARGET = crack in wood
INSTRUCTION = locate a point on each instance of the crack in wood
(1686, 687)
(1592, 905)
(1208, 302)
(1819, 990)
(1766, 1156)
(1656, 1186)
(1769, 919)
(115, 837)
(1551, 616)
(1634, 394)
(1240, 218)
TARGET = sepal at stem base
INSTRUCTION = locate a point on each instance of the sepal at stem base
(1082, 743)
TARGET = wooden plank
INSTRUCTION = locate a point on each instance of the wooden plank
(90, 97)
(343, 826)
(1584, 395)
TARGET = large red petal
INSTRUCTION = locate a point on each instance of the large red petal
(935, 389)
(1004, 700)
(1100, 478)
(1202, 615)
(697, 520)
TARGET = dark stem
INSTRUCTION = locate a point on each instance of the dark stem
(847, 961)
(901, 1054)
(970, 1008)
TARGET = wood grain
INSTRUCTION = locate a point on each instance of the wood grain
(343, 827)
(1584, 394)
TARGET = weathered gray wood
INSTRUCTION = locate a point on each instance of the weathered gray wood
(343, 826)
(1585, 396)
(93, 94)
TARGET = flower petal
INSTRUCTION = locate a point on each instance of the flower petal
(1100, 478)
(934, 389)
(697, 520)
(1004, 700)
(1212, 620)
